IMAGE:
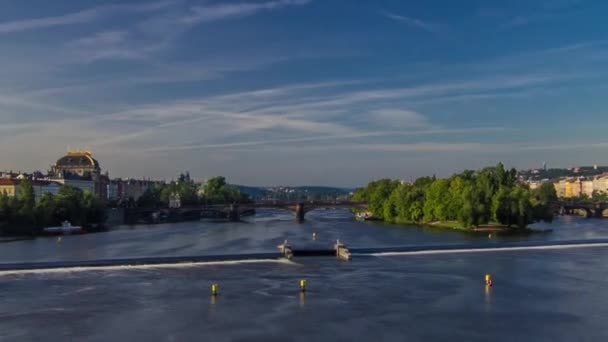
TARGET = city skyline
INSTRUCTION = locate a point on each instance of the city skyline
(303, 92)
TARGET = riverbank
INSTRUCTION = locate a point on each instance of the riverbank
(489, 228)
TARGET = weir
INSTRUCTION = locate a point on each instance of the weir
(338, 250)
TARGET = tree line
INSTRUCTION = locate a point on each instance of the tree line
(473, 198)
(22, 214)
(214, 191)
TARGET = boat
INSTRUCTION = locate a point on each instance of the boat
(66, 228)
(363, 216)
(341, 251)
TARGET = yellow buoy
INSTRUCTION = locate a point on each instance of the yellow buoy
(214, 288)
(302, 285)
(489, 236)
(488, 280)
(314, 236)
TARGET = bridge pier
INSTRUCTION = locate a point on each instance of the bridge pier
(233, 213)
(598, 212)
(299, 212)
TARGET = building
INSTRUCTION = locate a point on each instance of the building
(79, 163)
(124, 189)
(587, 188)
(81, 170)
(11, 186)
(572, 189)
(560, 188)
(534, 184)
(600, 183)
(580, 187)
(8, 186)
(81, 182)
(114, 189)
(568, 187)
(45, 187)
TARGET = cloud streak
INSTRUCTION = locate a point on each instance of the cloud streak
(414, 23)
(80, 17)
(208, 13)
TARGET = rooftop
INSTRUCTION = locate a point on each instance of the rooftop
(78, 159)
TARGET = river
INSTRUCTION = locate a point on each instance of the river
(539, 295)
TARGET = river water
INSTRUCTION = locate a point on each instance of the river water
(538, 295)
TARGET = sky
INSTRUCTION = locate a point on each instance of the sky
(303, 92)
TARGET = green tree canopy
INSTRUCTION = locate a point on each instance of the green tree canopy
(471, 197)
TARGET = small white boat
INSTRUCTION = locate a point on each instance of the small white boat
(66, 228)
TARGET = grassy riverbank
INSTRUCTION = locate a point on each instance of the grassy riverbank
(489, 228)
(493, 228)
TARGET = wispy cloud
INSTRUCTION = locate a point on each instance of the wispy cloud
(399, 118)
(207, 13)
(546, 11)
(113, 44)
(151, 29)
(415, 23)
(321, 140)
(80, 17)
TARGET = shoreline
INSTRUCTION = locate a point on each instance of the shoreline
(490, 228)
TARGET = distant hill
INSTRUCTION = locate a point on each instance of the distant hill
(295, 193)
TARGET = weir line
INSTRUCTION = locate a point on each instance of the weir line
(141, 267)
(485, 250)
(141, 262)
(476, 248)
(228, 259)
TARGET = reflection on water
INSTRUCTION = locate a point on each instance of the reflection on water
(488, 294)
(539, 295)
(263, 232)
(389, 298)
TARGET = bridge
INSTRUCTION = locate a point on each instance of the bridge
(234, 211)
(591, 210)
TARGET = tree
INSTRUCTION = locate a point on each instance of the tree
(25, 200)
(545, 193)
(187, 191)
(375, 194)
(456, 197)
(214, 190)
(542, 200)
(151, 198)
(501, 206)
(473, 210)
(437, 200)
(94, 211)
(5, 209)
(69, 205)
(46, 210)
(599, 196)
(25, 194)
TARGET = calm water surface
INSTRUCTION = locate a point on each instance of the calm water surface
(548, 295)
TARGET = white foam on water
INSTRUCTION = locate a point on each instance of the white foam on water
(496, 249)
(143, 267)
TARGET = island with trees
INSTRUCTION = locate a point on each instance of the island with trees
(214, 191)
(490, 198)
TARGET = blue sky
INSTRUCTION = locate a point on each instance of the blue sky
(304, 91)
